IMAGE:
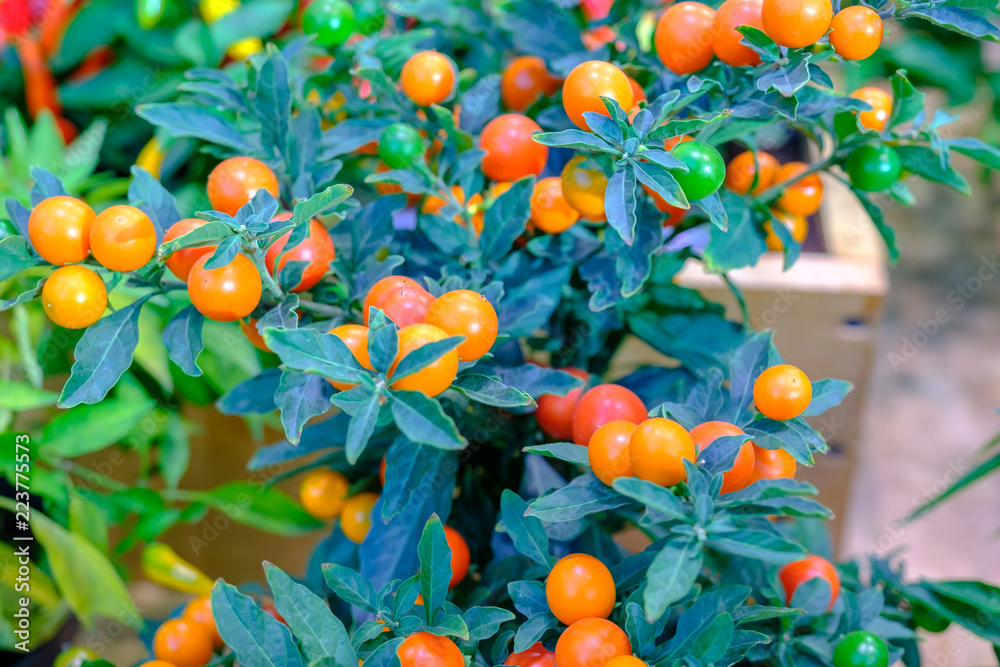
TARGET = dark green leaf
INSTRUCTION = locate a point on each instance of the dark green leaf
(351, 587)
(564, 451)
(422, 419)
(527, 532)
(300, 397)
(506, 220)
(489, 391)
(310, 351)
(435, 567)
(619, 203)
(102, 355)
(257, 638)
(319, 633)
(671, 575)
(362, 426)
(182, 338)
(583, 496)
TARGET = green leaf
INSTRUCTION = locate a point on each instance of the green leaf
(351, 587)
(91, 428)
(300, 397)
(422, 419)
(408, 465)
(257, 638)
(977, 150)
(424, 356)
(311, 351)
(102, 355)
(907, 101)
(564, 451)
(86, 578)
(435, 567)
(148, 195)
(85, 519)
(210, 233)
(527, 532)
(671, 575)
(582, 497)
(485, 622)
(575, 139)
(263, 507)
(361, 426)
(489, 391)
(320, 202)
(762, 545)
(827, 393)
(653, 496)
(20, 396)
(620, 203)
(981, 470)
(956, 20)
(15, 256)
(924, 162)
(182, 338)
(786, 79)
(191, 120)
(505, 220)
(175, 451)
(319, 633)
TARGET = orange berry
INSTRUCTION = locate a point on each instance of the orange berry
(796, 23)
(585, 85)
(550, 212)
(856, 32)
(657, 450)
(428, 78)
(59, 229)
(607, 451)
(749, 172)
(683, 37)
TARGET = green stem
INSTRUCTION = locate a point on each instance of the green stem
(92, 476)
(471, 238)
(320, 308)
(776, 189)
(269, 282)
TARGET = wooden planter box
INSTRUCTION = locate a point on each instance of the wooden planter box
(826, 312)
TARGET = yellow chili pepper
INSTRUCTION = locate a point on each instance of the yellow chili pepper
(213, 10)
(160, 563)
(151, 157)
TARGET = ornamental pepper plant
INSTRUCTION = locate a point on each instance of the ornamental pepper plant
(437, 223)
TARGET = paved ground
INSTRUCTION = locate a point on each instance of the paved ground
(935, 392)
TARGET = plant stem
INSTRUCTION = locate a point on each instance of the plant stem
(776, 189)
(265, 275)
(93, 477)
(320, 308)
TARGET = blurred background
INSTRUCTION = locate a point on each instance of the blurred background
(932, 368)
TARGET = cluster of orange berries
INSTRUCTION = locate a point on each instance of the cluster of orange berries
(64, 230)
(231, 292)
(324, 494)
(689, 34)
(800, 197)
(754, 172)
(580, 592)
(424, 319)
(187, 641)
(622, 441)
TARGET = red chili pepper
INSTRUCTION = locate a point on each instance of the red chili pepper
(15, 17)
(39, 84)
(96, 62)
(53, 21)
